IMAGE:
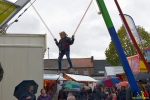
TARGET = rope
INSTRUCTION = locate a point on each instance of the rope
(43, 21)
(82, 18)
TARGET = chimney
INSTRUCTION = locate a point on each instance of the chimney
(92, 58)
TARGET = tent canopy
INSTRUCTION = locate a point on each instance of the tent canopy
(81, 78)
(52, 77)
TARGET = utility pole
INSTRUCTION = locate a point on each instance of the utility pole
(48, 52)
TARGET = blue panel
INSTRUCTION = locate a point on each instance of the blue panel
(123, 60)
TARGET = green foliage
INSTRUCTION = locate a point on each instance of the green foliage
(129, 49)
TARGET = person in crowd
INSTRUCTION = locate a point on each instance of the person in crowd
(28, 95)
(100, 94)
(44, 96)
(62, 94)
(94, 92)
(78, 94)
(147, 87)
(109, 95)
(64, 49)
(71, 96)
(122, 93)
(90, 94)
(114, 96)
(83, 93)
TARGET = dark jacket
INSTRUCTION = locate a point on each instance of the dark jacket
(122, 95)
(100, 95)
(26, 94)
(1, 72)
(47, 97)
(64, 44)
(62, 94)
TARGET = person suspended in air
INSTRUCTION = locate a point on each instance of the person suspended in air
(64, 49)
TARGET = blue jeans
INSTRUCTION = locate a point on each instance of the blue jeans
(61, 54)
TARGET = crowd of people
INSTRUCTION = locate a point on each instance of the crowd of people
(100, 92)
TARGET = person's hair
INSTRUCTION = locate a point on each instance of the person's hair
(123, 87)
(63, 33)
(100, 86)
(42, 90)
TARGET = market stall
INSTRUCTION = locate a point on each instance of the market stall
(50, 82)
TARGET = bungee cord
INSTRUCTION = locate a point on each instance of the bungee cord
(31, 4)
(75, 29)
(82, 17)
(43, 21)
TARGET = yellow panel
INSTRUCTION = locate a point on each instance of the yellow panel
(142, 67)
(5, 10)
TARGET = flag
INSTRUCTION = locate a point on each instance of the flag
(133, 29)
(147, 53)
(134, 63)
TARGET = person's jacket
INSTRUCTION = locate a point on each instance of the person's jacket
(41, 97)
(64, 44)
(26, 94)
(100, 95)
(62, 94)
(122, 95)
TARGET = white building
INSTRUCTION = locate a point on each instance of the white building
(21, 57)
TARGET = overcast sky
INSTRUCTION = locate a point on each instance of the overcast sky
(92, 37)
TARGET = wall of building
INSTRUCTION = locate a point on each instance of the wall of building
(24, 39)
(20, 63)
(81, 70)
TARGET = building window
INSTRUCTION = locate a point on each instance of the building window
(86, 72)
(101, 72)
(75, 71)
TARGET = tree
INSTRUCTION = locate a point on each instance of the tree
(129, 49)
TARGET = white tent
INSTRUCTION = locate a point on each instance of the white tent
(81, 78)
(113, 70)
(53, 77)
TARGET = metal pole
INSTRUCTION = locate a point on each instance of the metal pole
(118, 47)
(132, 37)
(48, 53)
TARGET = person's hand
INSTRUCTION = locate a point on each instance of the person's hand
(29, 97)
(55, 39)
(106, 92)
(72, 36)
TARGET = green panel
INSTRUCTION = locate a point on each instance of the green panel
(105, 13)
(7, 8)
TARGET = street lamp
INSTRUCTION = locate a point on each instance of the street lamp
(97, 6)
